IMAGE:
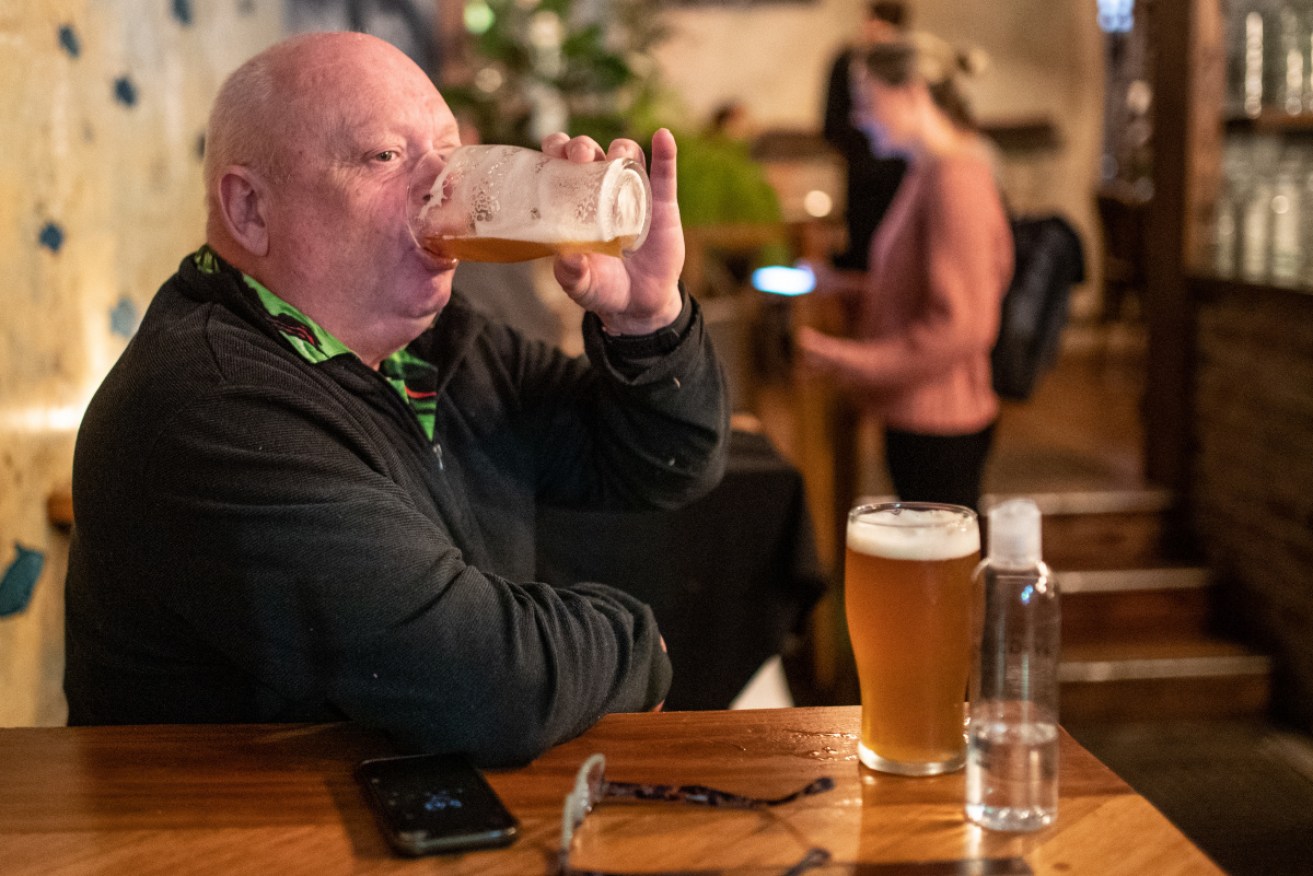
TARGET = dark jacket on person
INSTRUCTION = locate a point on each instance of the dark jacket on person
(871, 180)
(259, 538)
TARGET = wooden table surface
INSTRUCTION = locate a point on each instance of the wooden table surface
(281, 799)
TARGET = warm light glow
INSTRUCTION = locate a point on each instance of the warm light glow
(488, 80)
(817, 204)
(44, 419)
(546, 30)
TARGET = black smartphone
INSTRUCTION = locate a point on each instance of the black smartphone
(435, 803)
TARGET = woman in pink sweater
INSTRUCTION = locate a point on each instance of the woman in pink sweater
(929, 304)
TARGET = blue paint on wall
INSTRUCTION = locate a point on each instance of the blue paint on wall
(68, 40)
(20, 580)
(123, 318)
(182, 12)
(125, 91)
(52, 236)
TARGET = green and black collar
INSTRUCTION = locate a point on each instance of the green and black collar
(414, 379)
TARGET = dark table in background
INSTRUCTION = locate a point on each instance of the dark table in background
(729, 578)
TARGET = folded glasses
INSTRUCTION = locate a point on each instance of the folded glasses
(591, 786)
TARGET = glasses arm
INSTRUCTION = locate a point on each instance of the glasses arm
(705, 796)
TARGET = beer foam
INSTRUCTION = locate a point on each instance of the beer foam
(906, 534)
(511, 190)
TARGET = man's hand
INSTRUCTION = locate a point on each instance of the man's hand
(636, 295)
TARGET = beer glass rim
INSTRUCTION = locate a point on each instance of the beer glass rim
(964, 514)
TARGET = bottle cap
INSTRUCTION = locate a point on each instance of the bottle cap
(1014, 533)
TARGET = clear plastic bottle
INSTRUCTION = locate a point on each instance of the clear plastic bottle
(1012, 735)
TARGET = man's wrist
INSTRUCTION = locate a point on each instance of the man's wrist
(653, 342)
(620, 325)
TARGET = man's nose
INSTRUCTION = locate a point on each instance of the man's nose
(422, 177)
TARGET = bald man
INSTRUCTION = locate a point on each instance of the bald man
(306, 492)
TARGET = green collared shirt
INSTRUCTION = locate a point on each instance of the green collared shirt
(414, 379)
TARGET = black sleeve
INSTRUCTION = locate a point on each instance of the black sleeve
(281, 546)
(838, 123)
(643, 424)
(634, 354)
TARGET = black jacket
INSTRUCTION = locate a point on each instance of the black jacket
(262, 539)
(871, 180)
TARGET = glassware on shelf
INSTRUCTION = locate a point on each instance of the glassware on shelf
(1262, 221)
(1224, 256)
(1257, 60)
(1287, 256)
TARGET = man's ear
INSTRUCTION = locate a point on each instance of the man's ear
(244, 205)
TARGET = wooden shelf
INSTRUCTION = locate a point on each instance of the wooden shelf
(1208, 284)
(1022, 133)
(1271, 121)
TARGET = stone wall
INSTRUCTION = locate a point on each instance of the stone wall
(100, 197)
(1253, 472)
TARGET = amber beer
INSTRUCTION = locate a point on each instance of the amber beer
(909, 595)
(496, 203)
(501, 249)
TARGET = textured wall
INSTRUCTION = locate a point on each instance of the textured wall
(1253, 472)
(100, 196)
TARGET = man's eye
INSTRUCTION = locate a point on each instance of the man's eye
(386, 155)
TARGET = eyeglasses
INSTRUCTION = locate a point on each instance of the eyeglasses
(591, 786)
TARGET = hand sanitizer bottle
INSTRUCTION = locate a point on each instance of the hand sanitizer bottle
(1012, 736)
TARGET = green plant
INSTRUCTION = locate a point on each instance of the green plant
(720, 183)
(585, 67)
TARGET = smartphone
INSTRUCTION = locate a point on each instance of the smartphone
(435, 803)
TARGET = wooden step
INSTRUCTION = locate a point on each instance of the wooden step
(1117, 529)
(1168, 678)
(1130, 605)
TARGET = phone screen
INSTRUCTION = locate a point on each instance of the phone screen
(435, 803)
(784, 280)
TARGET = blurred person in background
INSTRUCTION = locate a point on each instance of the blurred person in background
(928, 307)
(873, 175)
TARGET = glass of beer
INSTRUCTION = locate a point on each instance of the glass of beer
(494, 203)
(909, 599)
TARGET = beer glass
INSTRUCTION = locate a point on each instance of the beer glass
(494, 203)
(909, 598)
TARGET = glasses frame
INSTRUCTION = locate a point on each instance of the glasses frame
(592, 787)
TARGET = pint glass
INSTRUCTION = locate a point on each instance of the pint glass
(494, 203)
(909, 599)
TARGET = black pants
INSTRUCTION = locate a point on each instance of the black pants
(938, 468)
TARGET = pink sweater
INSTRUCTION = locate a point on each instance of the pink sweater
(940, 263)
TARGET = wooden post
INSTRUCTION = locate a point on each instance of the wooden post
(1186, 41)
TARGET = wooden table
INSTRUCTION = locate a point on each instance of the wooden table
(281, 799)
